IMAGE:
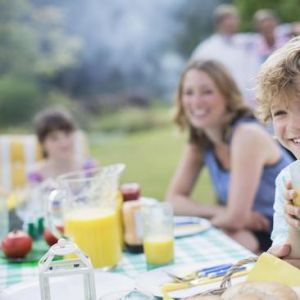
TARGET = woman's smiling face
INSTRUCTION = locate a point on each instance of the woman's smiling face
(203, 102)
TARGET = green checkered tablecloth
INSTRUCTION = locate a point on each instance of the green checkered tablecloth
(209, 246)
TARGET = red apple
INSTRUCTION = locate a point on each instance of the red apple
(16, 244)
(130, 191)
(49, 237)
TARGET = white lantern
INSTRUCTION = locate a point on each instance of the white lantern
(79, 265)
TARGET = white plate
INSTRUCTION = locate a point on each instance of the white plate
(150, 282)
(185, 226)
(69, 287)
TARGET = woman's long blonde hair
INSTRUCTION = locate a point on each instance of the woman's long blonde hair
(235, 106)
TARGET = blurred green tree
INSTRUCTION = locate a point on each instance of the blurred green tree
(288, 11)
(57, 50)
(33, 41)
(17, 40)
(19, 98)
(34, 48)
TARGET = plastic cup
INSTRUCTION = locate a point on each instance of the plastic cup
(294, 169)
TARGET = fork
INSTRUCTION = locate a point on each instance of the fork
(199, 273)
(173, 286)
(188, 277)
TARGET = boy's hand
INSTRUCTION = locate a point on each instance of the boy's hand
(283, 252)
(291, 212)
(293, 261)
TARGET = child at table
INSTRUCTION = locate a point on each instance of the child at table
(278, 99)
(55, 130)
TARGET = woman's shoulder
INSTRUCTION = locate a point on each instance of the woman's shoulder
(244, 120)
(251, 138)
(250, 130)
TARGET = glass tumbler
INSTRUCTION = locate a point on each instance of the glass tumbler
(294, 169)
(158, 234)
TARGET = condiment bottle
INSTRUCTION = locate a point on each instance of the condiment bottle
(133, 235)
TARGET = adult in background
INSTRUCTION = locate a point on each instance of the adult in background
(294, 29)
(243, 160)
(234, 50)
(269, 37)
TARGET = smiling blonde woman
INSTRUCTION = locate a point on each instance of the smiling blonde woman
(242, 158)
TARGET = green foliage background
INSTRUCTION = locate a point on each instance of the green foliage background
(151, 158)
(287, 10)
(33, 49)
(36, 49)
(19, 99)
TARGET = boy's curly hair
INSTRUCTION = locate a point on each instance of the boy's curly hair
(278, 78)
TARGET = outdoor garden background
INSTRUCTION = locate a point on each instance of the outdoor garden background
(115, 64)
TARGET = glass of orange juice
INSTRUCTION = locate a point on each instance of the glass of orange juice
(85, 204)
(158, 234)
(294, 169)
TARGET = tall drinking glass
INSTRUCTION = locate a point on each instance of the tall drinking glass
(295, 179)
(294, 233)
(158, 234)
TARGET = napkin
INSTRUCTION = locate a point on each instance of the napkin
(271, 268)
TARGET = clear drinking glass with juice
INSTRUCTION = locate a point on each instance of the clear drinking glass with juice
(294, 233)
(295, 179)
(158, 234)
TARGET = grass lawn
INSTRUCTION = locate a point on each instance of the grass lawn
(151, 158)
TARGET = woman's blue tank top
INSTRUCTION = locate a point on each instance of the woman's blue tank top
(265, 194)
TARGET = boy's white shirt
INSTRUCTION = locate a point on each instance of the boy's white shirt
(280, 226)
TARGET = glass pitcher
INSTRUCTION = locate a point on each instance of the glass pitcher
(84, 205)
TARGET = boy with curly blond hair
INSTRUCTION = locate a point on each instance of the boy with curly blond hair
(278, 98)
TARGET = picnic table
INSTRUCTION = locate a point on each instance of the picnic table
(206, 247)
